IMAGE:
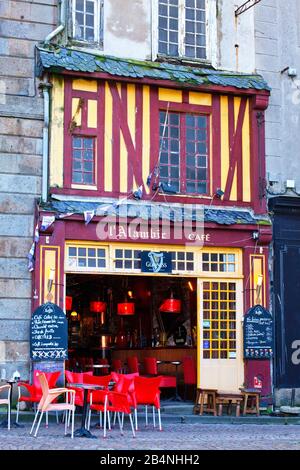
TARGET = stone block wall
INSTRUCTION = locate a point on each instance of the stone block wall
(22, 25)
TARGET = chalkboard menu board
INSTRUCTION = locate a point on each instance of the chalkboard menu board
(48, 334)
(258, 333)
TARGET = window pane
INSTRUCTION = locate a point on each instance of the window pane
(72, 251)
(90, 7)
(79, 5)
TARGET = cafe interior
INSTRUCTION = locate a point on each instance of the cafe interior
(122, 321)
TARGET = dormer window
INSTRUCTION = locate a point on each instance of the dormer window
(182, 28)
(88, 21)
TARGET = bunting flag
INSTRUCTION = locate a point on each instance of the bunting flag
(138, 194)
(88, 215)
(31, 254)
(46, 222)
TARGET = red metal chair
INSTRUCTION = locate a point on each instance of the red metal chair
(133, 364)
(189, 373)
(118, 403)
(150, 367)
(35, 389)
(147, 393)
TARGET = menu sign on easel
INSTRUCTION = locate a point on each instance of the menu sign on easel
(258, 333)
(48, 334)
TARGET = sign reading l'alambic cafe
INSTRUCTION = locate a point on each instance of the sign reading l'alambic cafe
(148, 233)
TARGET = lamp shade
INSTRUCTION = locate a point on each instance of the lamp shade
(126, 308)
(97, 306)
(69, 301)
(171, 305)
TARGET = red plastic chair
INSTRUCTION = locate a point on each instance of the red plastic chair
(124, 383)
(147, 393)
(97, 397)
(117, 366)
(78, 377)
(150, 366)
(133, 364)
(189, 373)
(119, 404)
(35, 389)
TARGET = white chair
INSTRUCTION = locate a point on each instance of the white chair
(6, 401)
(46, 404)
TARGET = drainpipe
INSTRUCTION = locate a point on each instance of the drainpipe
(45, 86)
(62, 25)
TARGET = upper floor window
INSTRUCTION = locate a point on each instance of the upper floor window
(88, 21)
(183, 164)
(83, 160)
(182, 28)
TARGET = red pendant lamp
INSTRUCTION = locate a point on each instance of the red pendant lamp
(69, 301)
(126, 308)
(97, 306)
(171, 305)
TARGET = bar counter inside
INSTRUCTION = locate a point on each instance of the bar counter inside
(161, 353)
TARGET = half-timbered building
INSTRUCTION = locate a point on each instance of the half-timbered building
(159, 158)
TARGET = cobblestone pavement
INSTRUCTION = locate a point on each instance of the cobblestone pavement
(175, 436)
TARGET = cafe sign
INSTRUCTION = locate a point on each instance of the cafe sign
(156, 262)
(258, 333)
(48, 334)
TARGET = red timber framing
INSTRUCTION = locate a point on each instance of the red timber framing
(253, 102)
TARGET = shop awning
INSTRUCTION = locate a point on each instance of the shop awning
(57, 59)
(62, 205)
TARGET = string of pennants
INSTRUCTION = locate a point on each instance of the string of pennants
(88, 215)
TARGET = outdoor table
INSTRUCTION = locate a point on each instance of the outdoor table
(100, 366)
(4, 423)
(83, 431)
(176, 397)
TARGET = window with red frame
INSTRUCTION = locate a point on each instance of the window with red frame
(183, 165)
(83, 160)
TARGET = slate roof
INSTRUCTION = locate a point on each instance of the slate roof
(146, 210)
(56, 59)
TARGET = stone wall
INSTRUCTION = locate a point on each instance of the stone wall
(22, 25)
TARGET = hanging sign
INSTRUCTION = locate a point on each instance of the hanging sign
(258, 333)
(156, 262)
(48, 334)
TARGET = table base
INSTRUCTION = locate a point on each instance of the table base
(4, 424)
(83, 432)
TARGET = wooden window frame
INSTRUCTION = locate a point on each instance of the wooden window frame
(184, 109)
(211, 34)
(98, 23)
(82, 183)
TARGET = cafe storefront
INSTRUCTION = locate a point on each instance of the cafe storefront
(215, 282)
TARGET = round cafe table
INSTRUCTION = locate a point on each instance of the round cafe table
(99, 367)
(176, 397)
(83, 431)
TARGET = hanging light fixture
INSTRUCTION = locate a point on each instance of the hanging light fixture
(97, 306)
(171, 305)
(126, 308)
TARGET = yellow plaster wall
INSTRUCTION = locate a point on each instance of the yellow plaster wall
(168, 94)
(57, 132)
(203, 99)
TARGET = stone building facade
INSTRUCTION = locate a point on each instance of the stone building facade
(22, 25)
